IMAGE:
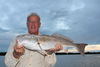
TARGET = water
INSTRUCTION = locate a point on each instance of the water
(72, 61)
(2, 61)
(78, 61)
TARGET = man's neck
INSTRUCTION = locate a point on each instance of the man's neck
(37, 33)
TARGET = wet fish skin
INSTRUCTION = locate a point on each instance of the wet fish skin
(45, 42)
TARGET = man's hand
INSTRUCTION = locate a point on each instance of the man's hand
(18, 50)
(57, 48)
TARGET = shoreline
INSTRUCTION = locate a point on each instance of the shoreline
(3, 53)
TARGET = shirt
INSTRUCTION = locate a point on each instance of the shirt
(29, 58)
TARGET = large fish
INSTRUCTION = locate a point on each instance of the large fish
(45, 42)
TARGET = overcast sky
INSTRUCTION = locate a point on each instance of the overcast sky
(76, 19)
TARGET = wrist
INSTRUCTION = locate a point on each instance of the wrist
(16, 55)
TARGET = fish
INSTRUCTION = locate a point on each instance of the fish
(46, 42)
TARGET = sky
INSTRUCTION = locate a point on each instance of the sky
(76, 19)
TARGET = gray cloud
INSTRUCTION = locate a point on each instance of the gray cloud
(77, 19)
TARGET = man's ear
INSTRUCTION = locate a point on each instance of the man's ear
(27, 24)
(39, 24)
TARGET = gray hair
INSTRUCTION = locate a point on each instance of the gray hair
(33, 14)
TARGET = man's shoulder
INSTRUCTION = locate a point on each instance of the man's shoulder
(21, 35)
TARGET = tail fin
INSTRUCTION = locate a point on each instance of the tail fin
(81, 48)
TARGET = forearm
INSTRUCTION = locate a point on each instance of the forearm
(10, 60)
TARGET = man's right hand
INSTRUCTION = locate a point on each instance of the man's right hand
(18, 50)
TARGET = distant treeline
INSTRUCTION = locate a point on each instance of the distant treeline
(3, 53)
(77, 53)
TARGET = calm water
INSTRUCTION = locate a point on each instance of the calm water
(72, 61)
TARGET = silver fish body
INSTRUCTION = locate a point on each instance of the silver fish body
(45, 42)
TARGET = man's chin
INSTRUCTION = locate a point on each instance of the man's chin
(32, 32)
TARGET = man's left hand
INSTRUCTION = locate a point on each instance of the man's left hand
(58, 47)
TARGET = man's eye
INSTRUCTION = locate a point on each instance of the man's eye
(30, 21)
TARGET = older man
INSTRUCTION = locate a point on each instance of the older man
(19, 56)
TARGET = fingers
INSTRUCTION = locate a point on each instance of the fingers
(18, 45)
(17, 41)
(58, 47)
(19, 49)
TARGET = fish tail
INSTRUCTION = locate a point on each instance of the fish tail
(81, 48)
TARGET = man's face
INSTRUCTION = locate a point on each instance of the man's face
(33, 24)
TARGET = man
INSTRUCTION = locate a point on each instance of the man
(19, 56)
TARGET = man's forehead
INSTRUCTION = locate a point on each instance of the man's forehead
(33, 17)
(33, 20)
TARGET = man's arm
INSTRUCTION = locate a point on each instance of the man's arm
(10, 60)
(18, 50)
(57, 47)
(12, 57)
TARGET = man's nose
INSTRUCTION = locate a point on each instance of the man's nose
(32, 26)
